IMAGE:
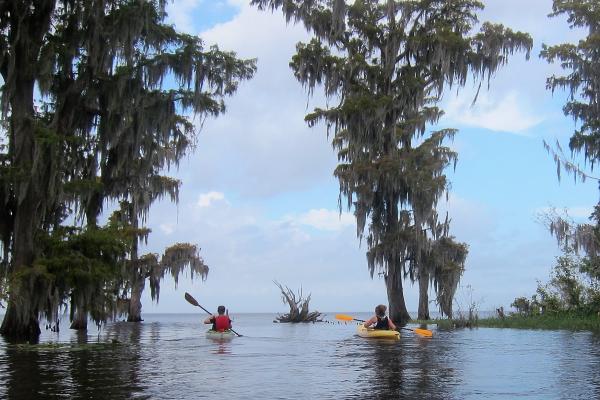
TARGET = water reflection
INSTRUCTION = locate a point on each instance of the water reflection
(595, 353)
(222, 346)
(170, 357)
(387, 362)
(577, 370)
(32, 374)
(410, 368)
(79, 369)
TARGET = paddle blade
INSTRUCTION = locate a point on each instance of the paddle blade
(343, 317)
(423, 332)
(191, 300)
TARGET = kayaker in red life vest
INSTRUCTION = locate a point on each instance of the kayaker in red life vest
(380, 320)
(219, 322)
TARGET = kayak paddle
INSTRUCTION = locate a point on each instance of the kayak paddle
(418, 331)
(193, 302)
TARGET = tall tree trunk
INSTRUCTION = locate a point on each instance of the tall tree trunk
(80, 319)
(28, 23)
(138, 279)
(393, 277)
(423, 296)
(21, 319)
(20, 328)
(393, 282)
(135, 303)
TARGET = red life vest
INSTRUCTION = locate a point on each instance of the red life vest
(221, 323)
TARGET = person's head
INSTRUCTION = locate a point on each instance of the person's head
(380, 310)
(221, 310)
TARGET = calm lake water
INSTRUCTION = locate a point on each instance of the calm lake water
(168, 357)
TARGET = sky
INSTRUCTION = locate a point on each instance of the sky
(259, 198)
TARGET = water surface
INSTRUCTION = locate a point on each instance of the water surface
(168, 356)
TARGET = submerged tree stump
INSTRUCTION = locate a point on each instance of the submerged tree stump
(298, 307)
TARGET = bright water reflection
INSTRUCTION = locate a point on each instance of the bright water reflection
(168, 356)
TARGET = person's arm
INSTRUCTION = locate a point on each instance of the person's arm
(209, 319)
(391, 324)
(370, 322)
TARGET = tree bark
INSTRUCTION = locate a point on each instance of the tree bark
(393, 278)
(135, 303)
(17, 329)
(393, 282)
(21, 319)
(80, 319)
(423, 296)
(27, 27)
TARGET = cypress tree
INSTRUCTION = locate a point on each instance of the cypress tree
(97, 96)
(385, 65)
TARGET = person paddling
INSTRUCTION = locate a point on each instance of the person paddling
(219, 322)
(380, 320)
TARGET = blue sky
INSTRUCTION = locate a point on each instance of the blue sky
(259, 198)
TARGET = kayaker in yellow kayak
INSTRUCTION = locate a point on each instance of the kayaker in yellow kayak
(219, 322)
(380, 320)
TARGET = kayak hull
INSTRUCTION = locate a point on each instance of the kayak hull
(377, 333)
(225, 335)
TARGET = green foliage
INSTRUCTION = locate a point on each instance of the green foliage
(571, 290)
(102, 100)
(83, 265)
(546, 300)
(522, 305)
(568, 284)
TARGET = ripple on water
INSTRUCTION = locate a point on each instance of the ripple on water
(169, 357)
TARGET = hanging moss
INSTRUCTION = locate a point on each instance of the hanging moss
(384, 65)
(175, 261)
(582, 81)
(119, 91)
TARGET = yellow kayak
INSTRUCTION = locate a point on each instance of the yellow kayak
(377, 333)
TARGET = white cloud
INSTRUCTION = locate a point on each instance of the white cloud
(246, 248)
(254, 33)
(180, 13)
(326, 220)
(206, 199)
(167, 228)
(506, 114)
(262, 155)
(261, 146)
